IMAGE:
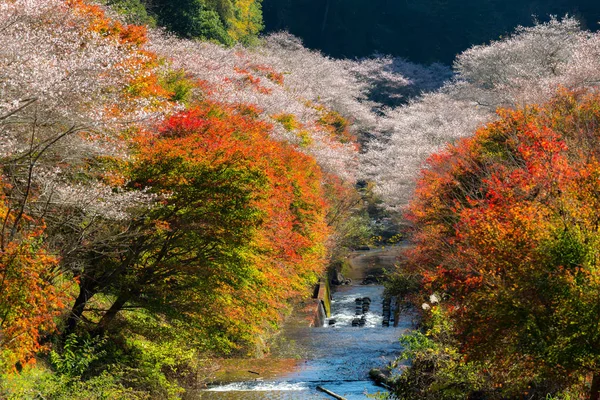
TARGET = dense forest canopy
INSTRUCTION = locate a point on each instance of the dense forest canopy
(221, 21)
(421, 30)
(173, 178)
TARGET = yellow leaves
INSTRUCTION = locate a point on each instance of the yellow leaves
(288, 121)
(246, 20)
(305, 138)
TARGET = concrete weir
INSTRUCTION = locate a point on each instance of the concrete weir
(322, 301)
(337, 357)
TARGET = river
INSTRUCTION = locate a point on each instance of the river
(337, 357)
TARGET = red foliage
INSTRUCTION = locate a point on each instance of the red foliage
(287, 247)
(506, 224)
(269, 72)
(250, 80)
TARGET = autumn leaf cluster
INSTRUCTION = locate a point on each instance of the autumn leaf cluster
(506, 231)
(131, 193)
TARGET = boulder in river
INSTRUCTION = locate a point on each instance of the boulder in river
(338, 279)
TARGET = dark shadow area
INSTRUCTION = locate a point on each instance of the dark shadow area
(423, 31)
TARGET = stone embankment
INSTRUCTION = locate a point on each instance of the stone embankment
(322, 302)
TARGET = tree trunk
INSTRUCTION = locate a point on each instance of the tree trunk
(85, 294)
(325, 16)
(595, 390)
(112, 312)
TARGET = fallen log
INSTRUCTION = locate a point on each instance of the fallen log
(329, 392)
(379, 378)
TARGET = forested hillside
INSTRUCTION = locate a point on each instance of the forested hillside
(221, 21)
(526, 67)
(506, 233)
(422, 31)
(163, 200)
(172, 183)
(504, 268)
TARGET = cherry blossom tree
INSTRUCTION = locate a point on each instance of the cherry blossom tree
(71, 83)
(66, 81)
(282, 77)
(526, 67)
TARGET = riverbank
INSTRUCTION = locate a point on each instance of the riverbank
(286, 350)
(337, 356)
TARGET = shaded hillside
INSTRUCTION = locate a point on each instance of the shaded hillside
(222, 21)
(422, 31)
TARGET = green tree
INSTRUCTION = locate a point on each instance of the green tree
(191, 19)
(223, 21)
(135, 11)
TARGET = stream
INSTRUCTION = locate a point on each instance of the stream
(337, 357)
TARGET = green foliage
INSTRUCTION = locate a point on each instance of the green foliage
(437, 369)
(181, 87)
(288, 121)
(39, 382)
(76, 355)
(152, 354)
(404, 285)
(210, 27)
(567, 249)
(341, 265)
(191, 19)
(133, 11)
(350, 220)
(562, 396)
(144, 360)
(337, 125)
(222, 21)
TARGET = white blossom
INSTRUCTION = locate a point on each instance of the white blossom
(309, 81)
(524, 68)
(58, 82)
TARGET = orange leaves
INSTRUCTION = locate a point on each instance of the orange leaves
(144, 81)
(201, 158)
(98, 22)
(218, 209)
(29, 299)
(506, 223)
(136, 35)
(143, 90)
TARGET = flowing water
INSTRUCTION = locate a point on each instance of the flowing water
(337, 357)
